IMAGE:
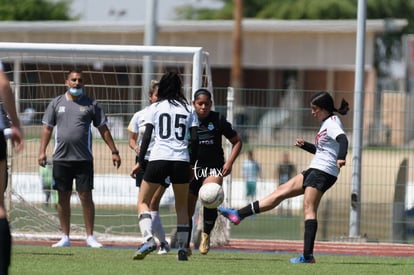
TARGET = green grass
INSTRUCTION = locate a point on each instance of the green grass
(81, 260)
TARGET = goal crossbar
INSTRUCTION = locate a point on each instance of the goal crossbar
(130, 50)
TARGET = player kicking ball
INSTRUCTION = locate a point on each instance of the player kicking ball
(330, 150)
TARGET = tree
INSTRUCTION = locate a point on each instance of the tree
(306, 9)
(35, 10)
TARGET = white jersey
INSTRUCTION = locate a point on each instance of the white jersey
(171, 124)
(327, 147)
(137, 126)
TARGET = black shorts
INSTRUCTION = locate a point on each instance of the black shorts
(64, 172)
(318, 179)
(200, 175)
(158, 170)
(139, 176)
(3, 156)
(3, 146)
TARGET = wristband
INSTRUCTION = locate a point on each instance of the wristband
(116, 152)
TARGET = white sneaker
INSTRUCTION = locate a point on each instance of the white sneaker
(164, 248)
(91, 242)
(65, 241)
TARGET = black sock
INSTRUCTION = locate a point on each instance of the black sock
(250, 209)
(311, 226)
(5, 246)
(209, 219)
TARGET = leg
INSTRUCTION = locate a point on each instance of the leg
(181, 208)
(192, 203)
(290, 189)
(5, 235)
(88, 209)
(209, 220)
(145, 195)
(157, 226)
(64, 211)
(311, 202)
(63, 207)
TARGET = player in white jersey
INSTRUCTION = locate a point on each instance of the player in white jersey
(330, 149)
(173, 121)
(136, 130)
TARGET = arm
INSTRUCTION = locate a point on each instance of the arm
(132, 142)
(307, 146)
(146, 139)
(44, 142)
(194, 145)
(235, 150)
(107, 137)
(10, 108)
(343, 149)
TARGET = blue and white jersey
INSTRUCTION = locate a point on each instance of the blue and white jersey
(137, 126)
(327, 147)
(171, 129)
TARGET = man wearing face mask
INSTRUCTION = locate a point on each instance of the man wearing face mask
(73, 113)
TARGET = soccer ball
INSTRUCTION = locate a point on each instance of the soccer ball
(211, 195)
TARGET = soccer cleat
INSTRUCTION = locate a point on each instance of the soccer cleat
(182, 255)
(92, 242)
(64, 242)
(301, 260)
(145, 249)
(164, 248)
(231, 214)
(204, 244)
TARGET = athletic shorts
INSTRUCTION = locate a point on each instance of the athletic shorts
(158, 170)
(3, 156)
(139, 176)
(64, 172)
(318, 179)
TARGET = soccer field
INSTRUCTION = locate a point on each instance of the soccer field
(29, 259)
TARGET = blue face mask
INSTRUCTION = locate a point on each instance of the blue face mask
(75, 91)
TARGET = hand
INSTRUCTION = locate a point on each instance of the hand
(340, 163)
(226, 170)
(116, 160)
(17, 139)
(42, 160)
(299, 142)
(134, 170)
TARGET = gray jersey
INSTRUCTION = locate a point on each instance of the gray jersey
(73, 119)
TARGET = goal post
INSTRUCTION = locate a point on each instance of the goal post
(114, 75)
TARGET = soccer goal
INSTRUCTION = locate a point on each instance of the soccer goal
(118, 77)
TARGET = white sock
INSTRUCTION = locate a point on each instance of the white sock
(157, 227)
(145, 225)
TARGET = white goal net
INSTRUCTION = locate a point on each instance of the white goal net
(118, 77)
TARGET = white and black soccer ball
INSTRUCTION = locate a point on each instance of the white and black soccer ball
(211, 195)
